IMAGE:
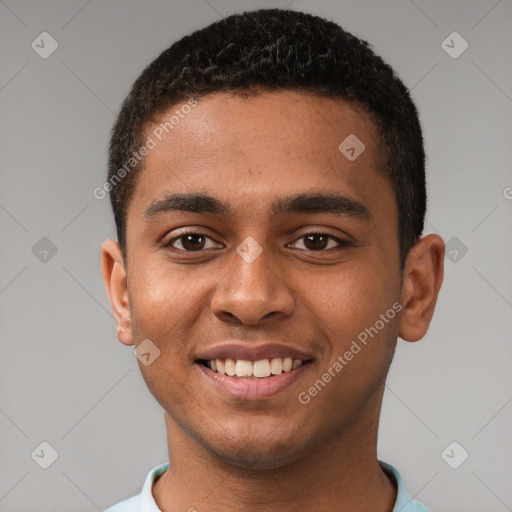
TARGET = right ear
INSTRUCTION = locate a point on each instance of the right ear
(114, 276)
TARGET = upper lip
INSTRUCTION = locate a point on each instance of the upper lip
(252, 351)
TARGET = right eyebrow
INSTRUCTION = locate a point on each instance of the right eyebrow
(193, 203)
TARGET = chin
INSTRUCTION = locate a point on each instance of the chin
(263, 450)
(255, 458)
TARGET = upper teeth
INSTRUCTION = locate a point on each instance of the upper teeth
(260, 368)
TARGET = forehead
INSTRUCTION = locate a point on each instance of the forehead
(247, 149)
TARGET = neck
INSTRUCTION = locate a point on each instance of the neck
(343, 474)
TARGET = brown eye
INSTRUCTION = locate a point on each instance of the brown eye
(189, 242)
(321, 241)
(316, 242)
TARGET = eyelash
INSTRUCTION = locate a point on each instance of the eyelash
(341, 243)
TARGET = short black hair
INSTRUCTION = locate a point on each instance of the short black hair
(271, 50)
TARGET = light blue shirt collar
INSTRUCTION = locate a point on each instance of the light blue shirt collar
(144, 502)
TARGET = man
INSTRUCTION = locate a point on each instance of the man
(267, 180)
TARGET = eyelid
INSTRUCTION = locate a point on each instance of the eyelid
(341, 242)
(190, 231)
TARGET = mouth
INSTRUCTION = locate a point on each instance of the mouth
(247, 381)
(253, 370)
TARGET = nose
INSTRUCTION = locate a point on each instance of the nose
(252, 291)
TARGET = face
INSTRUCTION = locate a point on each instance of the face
(235, 263)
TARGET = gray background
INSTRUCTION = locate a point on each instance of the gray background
(66, 380)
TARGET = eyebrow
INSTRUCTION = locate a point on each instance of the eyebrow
(299, 203)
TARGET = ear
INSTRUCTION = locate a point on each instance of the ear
(114, 275)
(422, 278)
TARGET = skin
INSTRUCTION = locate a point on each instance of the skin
(273, 454)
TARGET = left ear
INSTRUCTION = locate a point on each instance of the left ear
(423, 275)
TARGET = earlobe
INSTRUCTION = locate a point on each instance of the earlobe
(423, 275)
(114, 276)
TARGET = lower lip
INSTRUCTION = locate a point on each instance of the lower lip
(254, 389)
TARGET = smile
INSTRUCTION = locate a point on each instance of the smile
(260, 369)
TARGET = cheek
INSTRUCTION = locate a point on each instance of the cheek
(165, 308)
(165, 295)
(348, 309)
(349, 300)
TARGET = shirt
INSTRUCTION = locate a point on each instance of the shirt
(144, 502)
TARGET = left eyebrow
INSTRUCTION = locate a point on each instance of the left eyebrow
(299, 203)
(321, 203)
